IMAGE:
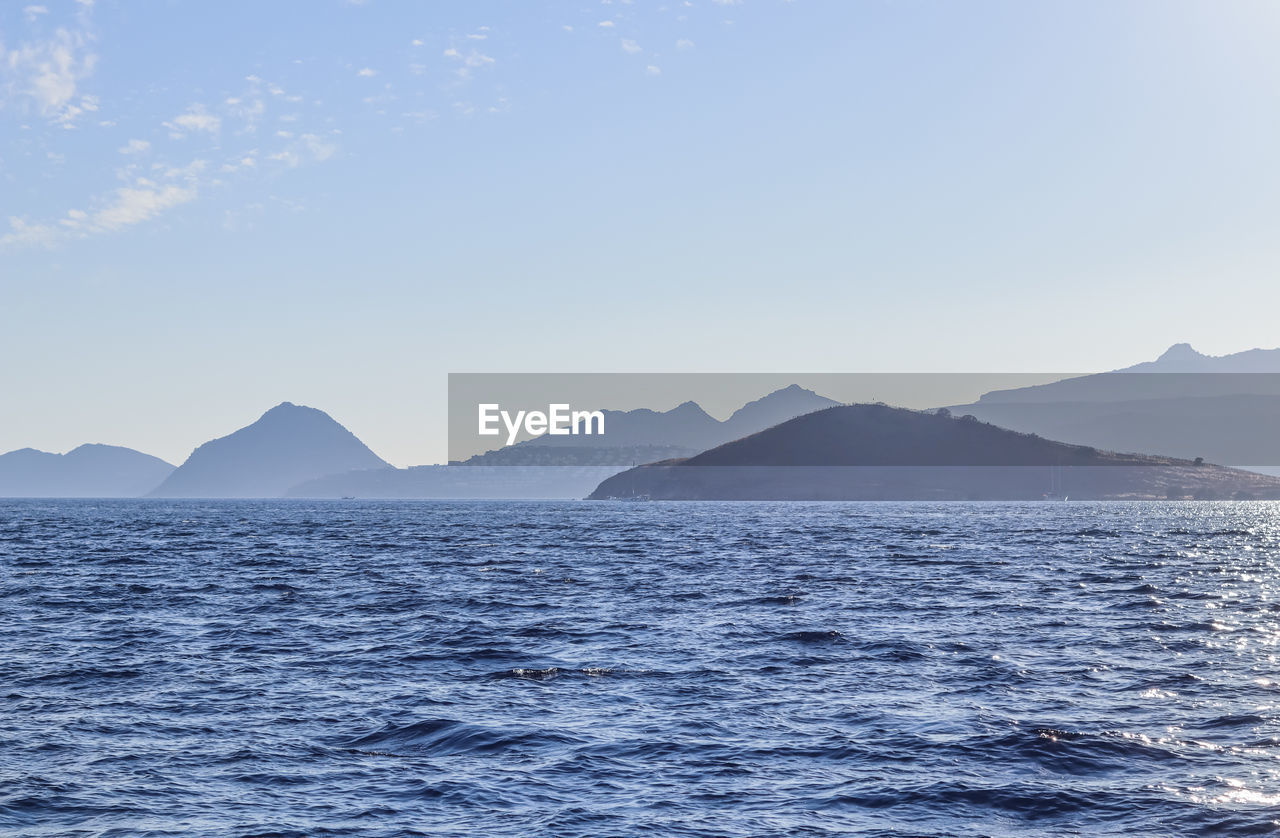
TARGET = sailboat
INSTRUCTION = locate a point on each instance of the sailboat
(1055, 485)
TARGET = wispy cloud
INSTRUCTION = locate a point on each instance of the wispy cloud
(252, 129)
(21, 233)
(142, 200)
(308, 148)
(197, 118)
(135, 204)
(46, 73)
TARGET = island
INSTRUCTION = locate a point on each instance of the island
(877, 452)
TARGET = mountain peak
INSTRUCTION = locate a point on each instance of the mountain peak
(778, 406)
(90, 471)
(689, 408)
(288, 444)
(286, 408)
(1180, 352)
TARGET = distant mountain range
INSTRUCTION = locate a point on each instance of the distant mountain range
(570, 467)
(637, 436)
(1184, 404)
(1181, 357)
(295, 451)
(877, 452)
(90, 471)
(286, 446)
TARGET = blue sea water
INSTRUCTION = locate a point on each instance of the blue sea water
(586, 669)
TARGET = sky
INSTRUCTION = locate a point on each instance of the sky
(210, 208)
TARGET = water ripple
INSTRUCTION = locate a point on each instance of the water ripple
(582, 669)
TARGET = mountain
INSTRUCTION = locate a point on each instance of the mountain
(645, 435)
(1182, 404)
(777, 407)
(1181, 357)
(1236, 430)
(1180, 372)
(90, 471)
(286, 446)
(686, 425)
(876, 452)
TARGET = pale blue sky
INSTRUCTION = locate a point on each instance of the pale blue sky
(209, 208)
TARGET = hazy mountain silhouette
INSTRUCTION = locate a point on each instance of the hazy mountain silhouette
(1181, 357)
(685, 425)
(876, 452)
(777, 407)
(90, 471)
(1182, 404)
(287, 445)
(645, 435)
(570, 466)
(1180, 372)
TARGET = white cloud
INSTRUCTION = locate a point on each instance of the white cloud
(607, 24)
(48, 73)
(630, 47)
(653, 70)
(417, 42)
(367, 73)
(726, 2)
(33, 12)
(248, 109)
(320, 150)
(247, 161)
(197, 118)
(684, 43)
(135, 147)
(288, 157)
(470, 61)
(141, 202)
(21, 233)
(308, 148)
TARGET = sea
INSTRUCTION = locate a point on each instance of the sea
(399, 668)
